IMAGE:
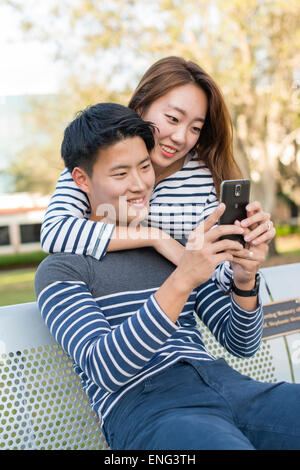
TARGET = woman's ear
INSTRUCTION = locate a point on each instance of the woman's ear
(81, 178)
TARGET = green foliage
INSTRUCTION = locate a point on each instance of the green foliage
(283, 230)
(37, 166)
(251, 48)
(21, 259)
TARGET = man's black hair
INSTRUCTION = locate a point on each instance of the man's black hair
(98, 127)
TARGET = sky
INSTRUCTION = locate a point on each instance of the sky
(25, 67)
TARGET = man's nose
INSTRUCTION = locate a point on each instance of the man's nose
(136, 183)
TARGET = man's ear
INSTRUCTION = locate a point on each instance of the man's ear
(81, 179)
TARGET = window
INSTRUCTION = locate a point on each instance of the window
(4, 236)
(30, 233)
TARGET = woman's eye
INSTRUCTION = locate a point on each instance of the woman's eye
(172, 118)
(197, 130)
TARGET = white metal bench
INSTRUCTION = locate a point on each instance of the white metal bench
(42, 405)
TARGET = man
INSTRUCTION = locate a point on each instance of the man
(128, 321)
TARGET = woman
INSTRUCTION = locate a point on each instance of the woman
(192, 155)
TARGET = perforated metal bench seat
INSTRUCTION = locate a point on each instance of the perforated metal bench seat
(42, 405)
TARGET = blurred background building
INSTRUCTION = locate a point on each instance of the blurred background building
(21, 215)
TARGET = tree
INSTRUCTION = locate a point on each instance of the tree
(37, 166)
(251, 49)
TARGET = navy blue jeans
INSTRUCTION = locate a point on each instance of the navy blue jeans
(205, 405)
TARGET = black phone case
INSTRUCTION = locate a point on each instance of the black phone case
(235, 205)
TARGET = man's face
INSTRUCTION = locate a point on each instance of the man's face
(122, 182)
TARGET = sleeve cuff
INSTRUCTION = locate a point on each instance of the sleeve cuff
(102, 240)
(227, 269)
(247, 314)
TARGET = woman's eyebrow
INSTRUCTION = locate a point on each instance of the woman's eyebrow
(201, 119)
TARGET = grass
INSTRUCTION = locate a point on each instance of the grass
(19, 295)
(20, 276)
(17, 285)
(17, 273)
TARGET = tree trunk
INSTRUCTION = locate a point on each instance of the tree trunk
(272, 248)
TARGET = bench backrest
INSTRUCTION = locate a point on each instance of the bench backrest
(42, 405)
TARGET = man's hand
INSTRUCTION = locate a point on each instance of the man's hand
(204, 251)
(202, 254)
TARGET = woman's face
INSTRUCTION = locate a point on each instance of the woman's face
(179, 116)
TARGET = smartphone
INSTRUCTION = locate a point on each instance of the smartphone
(235, 194)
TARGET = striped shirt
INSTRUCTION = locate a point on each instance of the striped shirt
(178, 204)
(116, 332)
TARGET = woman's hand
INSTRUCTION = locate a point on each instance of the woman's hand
(246, 262)
(259, 231)
(168, 247)
(259, 223)
(245, 265)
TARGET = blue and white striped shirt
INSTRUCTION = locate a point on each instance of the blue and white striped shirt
(106, 317)
(178, 204)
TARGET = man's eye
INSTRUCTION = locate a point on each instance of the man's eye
(120, 174)
(145, 167)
